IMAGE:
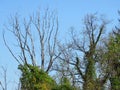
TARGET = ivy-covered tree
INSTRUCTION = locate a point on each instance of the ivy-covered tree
(35, 41)
(81, 57)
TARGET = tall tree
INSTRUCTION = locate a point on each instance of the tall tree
(114, 58)
(81, 54)
(114, 63)
(35, 39)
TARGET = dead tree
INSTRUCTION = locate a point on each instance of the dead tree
(35, 39)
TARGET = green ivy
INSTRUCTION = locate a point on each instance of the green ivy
(33, 78)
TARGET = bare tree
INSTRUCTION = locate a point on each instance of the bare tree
(81, 54)
(36, 39)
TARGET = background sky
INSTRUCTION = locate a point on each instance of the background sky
(70, 13)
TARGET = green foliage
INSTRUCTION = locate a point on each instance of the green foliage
(33, 78)
(114, 57)
(114, 47)
(65, 85)
(115, 83)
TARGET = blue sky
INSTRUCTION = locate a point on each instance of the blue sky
(70, 13)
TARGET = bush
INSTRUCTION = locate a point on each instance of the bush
(33, 78)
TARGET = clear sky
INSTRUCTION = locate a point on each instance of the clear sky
(70, 13)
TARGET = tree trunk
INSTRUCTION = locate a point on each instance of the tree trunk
(90, 75)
